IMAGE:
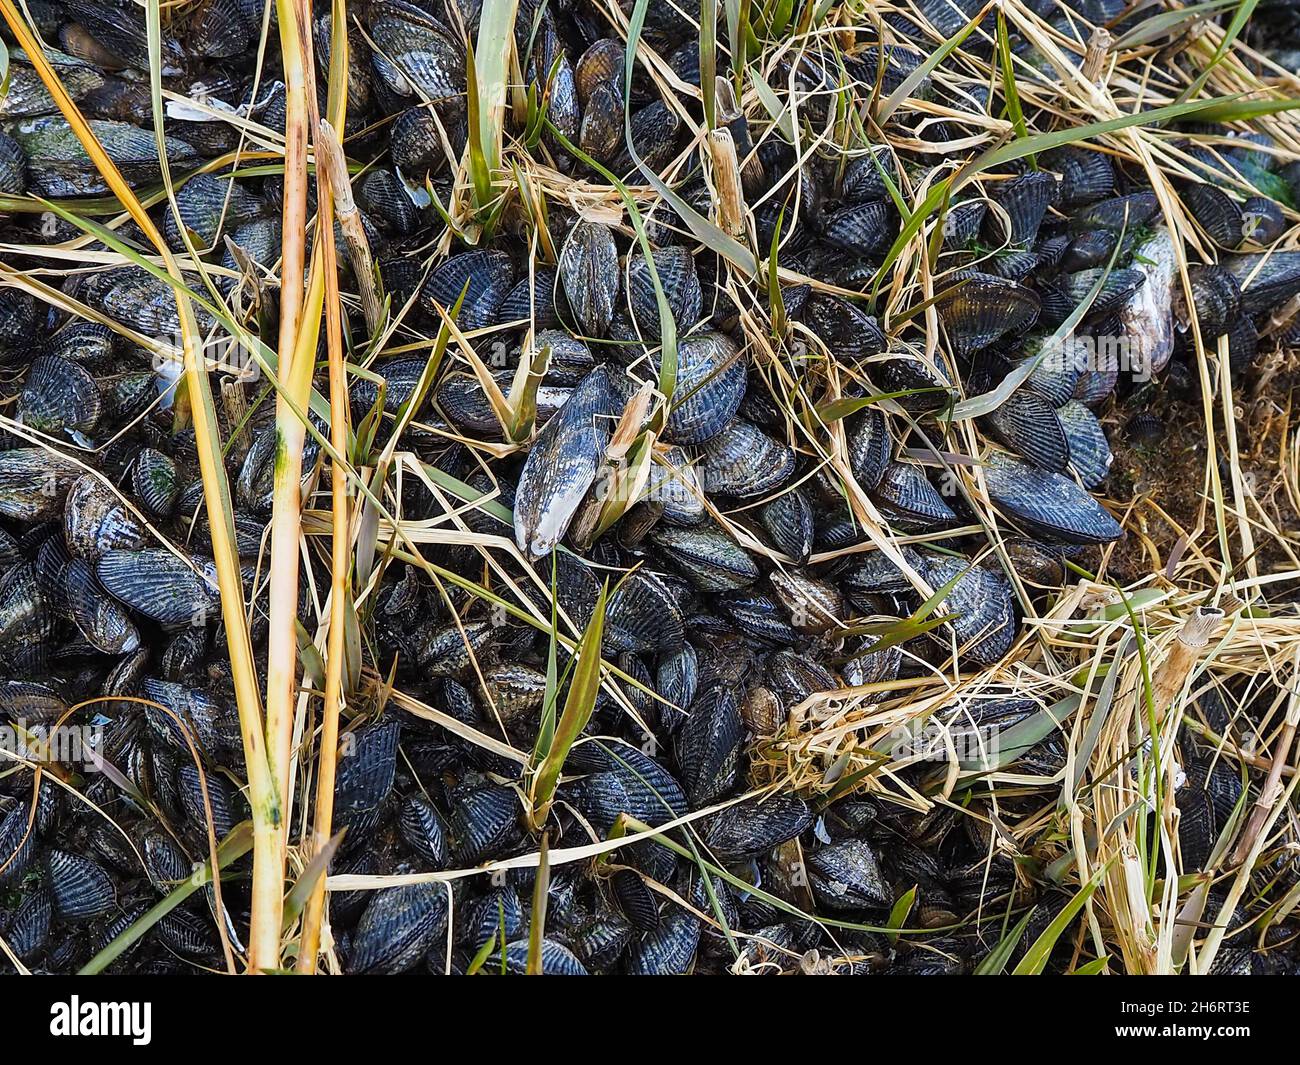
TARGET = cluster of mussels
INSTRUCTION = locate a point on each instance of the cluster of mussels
(743, 579)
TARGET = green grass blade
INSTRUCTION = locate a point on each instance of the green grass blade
(1167, 22)
(1023, 735)
(782, 12)
(779, 113)
(1234, 110)
(709, 61)
(996, 960)
(1238, 23)
(895, 632)
(842, 408)
(490, 65)
(1219, 109)
(890, 104)
(479, 170)
(901, 910)
(1009, 90)
(1035, 959)
(537, 923)
(578, 708)
(775, 299)
(938, 194)
(546, 732)
(233, 847)
(484, 952)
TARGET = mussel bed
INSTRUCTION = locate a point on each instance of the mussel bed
(866, 499)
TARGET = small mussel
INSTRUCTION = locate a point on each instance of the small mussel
(398, 928)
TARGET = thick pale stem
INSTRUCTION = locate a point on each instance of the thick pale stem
(296, 361)
(726, 180)
(309, 946)
(294, 212)
(282, 641)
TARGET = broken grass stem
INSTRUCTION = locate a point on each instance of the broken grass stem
(329, 152)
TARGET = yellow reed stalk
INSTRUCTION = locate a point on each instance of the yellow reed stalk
(340, 556)
(332, 185)
(299, 329)
(286, 523)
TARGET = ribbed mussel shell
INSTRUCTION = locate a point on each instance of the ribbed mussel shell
(589, 272)
(96, 521)
(479, 279)
(398, 928)
(34, 483)
(60, 395)
(981, 308)
(1048, 503)
(160, 585)
(102, 621)
(711, 381)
